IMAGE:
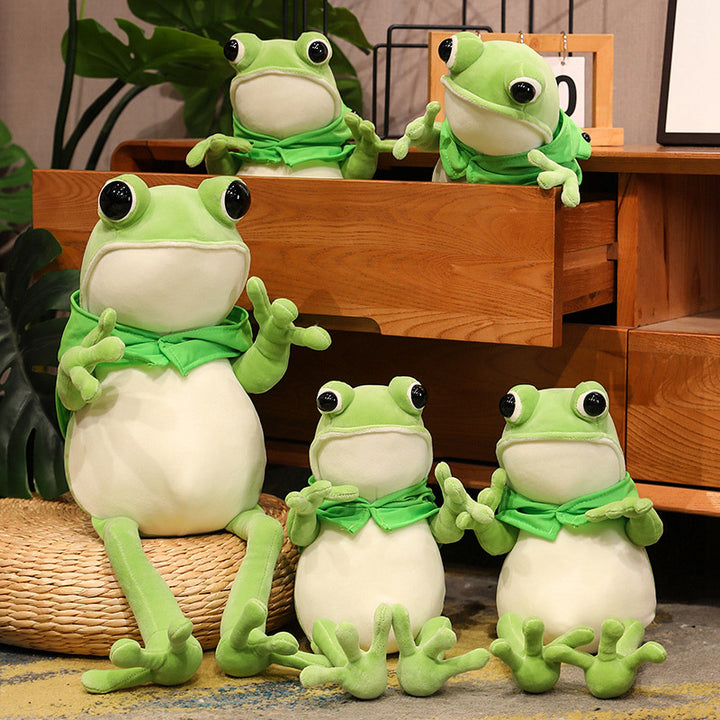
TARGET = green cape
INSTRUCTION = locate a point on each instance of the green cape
(546, 519)
(460, 161)
(398, 509)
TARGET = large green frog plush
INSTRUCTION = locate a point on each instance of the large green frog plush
(503, 123)
(566, 511)
(161, 436)
(288, 116)
(370, 577)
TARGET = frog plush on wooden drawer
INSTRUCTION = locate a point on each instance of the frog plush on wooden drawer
(161, 436)
(369, 527)
(566, 511)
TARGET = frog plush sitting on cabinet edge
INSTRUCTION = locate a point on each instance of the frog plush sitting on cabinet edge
(288, 116)
(577, 575)
(161, 436)
(370, 577)
(503, 123)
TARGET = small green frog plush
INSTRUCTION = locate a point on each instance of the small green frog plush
(161, 436)
(503, 123)
(288, 117)
(565, 509)
(369, 527)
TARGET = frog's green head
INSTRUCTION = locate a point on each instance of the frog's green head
(500, 97)
(559, 443)
(372, 436)
(282, 87)
(166, 258)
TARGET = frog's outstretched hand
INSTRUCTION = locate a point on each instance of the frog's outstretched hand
(216, 152)
(455, 501)
(362, 163)
(302, 522)
(76, 384)
(612, 671)
(422, 133)
(553, 175)
(494, 536)
(171, 654)
(643, 527)
(520, 647)
(244, 648)
(266, 361)
(422, 668)
(361, 673)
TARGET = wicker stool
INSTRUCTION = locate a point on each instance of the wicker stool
(58, 591)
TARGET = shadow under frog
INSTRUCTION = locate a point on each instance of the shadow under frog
(503, 123)
(161, 436)
(288, 116)
(370, 578)
(566, 511)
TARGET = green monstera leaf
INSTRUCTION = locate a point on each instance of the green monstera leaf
(15, 177)
(31, 446)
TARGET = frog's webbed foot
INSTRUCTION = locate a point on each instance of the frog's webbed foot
(245, 649)
(363, 674)
(520, 647)
(169, 660)
(553, 175)
(422, 668)
(612, 672)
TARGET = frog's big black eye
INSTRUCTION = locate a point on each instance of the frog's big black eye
(328, 400)
(445, 49)
(418, 396)
(318, 51)
(594, 404)
(507, 405)
(236, 200)
(522, 91)
(231, 49)
(116, 200)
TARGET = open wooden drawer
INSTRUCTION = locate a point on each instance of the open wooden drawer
(482, 263)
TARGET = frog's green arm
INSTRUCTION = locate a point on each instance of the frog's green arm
(362, 163)
(244, 648)
(643, 525)
(266, 361)
(422, 133)
(216, 152)
(302, 522)
(455, 501)
(553, 175)
(76, 384)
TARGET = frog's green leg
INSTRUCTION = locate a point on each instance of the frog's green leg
(612, 672)
(423, 133)
(643, 527)
(362, 163)
(362, 674)
(520, 647)
(171, 654)
(216, 152)
(244, 648)
(552, 175)
(266, 361)
(422, 668)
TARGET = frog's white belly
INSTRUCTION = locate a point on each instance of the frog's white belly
(180, 455)
(344, 577)
(308, 170)
(586, 575)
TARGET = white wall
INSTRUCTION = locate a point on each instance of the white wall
(31, 65)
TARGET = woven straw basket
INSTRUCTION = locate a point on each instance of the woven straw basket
(58, 591)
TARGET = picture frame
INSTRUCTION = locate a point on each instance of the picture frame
(689, 111)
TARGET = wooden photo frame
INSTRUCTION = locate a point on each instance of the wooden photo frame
(689, 103)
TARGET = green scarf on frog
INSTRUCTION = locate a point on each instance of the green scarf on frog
(460, 161)
(395, 510)
(184, 350)
(545, 519)
(326, 144)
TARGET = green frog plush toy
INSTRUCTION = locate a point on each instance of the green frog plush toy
(503, 123)
(370, 576)
(288, 117)
(161, 436)
(566, 511)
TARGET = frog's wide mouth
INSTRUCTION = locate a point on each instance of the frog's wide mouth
(512, 114)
